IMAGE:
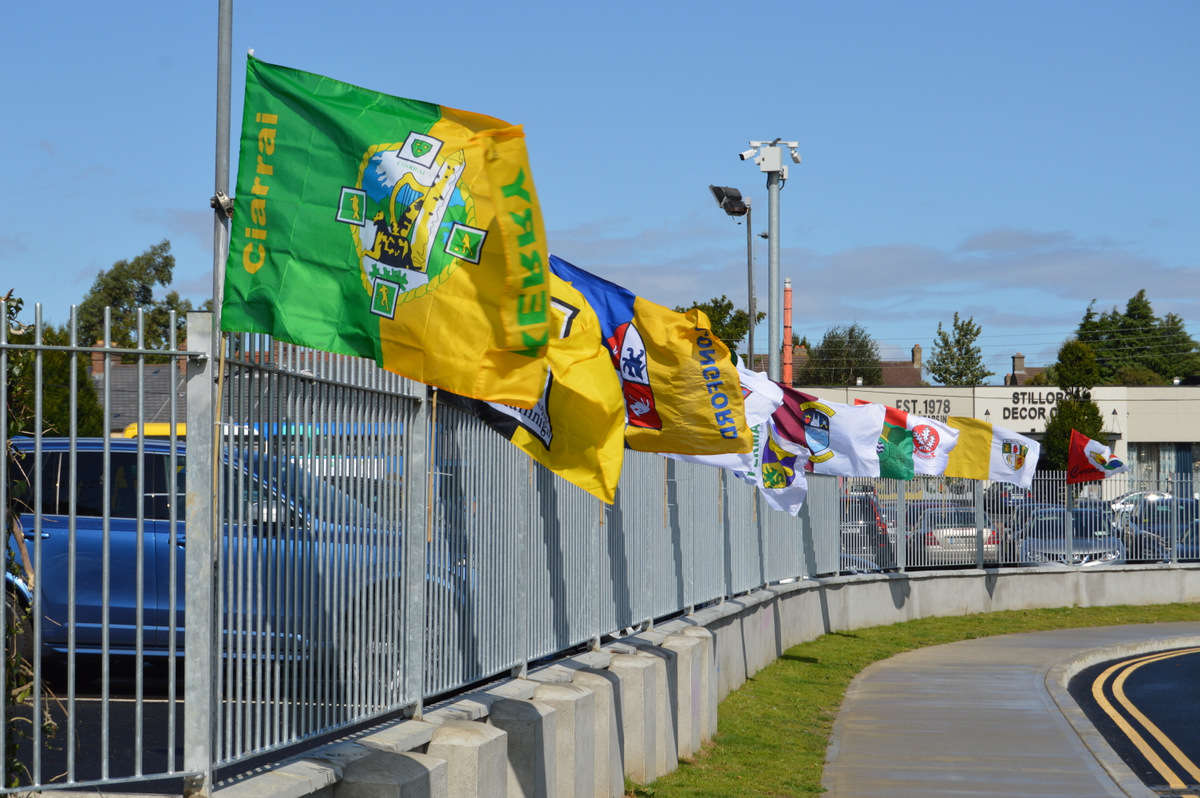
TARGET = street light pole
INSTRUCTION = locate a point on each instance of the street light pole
(732, 202)
(769, 157)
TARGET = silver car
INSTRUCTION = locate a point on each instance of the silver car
(947, 536)
(1093, 542)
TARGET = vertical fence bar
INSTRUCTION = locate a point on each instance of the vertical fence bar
(39, 481)
(72, 557)
(201, 535)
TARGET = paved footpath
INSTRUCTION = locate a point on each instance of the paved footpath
(988, 717)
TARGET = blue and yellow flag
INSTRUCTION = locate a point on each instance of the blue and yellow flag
(392, 229)
(576, 427)
(681, 389)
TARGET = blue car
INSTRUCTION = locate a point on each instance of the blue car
(1170, 522)
(300, 557)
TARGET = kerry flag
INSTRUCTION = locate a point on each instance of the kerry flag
(392, 229)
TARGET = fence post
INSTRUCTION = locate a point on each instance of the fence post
(200, 552)
(980, 523)
(419, 451)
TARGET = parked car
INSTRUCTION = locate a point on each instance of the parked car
(1001, 498)
(888, 509)
(1020, 516)
(1157, 524)
(914, 510)
(851, 564)
(1044, 540)
(284, 526)
(1128, 501)
(864, 531)
(948, 536)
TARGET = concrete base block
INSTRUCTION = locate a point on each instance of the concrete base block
(638, 706)
(608, 772)
(476, 758)
(689, 693)
(531, 730)
(708, 679)
(666, 707)
(388, 775)
(575, 744)
(730, 649)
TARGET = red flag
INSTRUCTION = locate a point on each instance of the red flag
(1089, 460)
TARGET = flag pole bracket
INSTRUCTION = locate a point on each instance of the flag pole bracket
(222, 204)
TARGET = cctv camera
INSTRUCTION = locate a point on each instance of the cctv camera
(747, 155)
(795, 157)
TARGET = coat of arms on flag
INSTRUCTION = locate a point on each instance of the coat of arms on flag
(1014, 454)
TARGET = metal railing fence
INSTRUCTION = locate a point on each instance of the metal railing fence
(333, 546)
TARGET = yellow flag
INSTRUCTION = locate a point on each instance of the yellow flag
(576, 427)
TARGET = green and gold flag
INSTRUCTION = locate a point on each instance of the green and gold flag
(406, 232)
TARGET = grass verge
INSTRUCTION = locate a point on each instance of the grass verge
(773, 731)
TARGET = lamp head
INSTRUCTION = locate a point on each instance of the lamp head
(730, 200)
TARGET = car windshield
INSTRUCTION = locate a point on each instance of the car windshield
(1088, 523)
(944, 519)
(1095, 523)
(309, 494)
(1166, 514)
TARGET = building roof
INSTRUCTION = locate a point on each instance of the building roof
(159, 379)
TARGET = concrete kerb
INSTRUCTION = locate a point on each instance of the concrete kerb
(1058, 678)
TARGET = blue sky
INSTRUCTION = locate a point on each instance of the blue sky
(1010, 161)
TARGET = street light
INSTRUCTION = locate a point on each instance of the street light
(769, 157)
(732, 202)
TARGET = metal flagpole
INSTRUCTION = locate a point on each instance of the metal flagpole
(222, 207)
(199, 686)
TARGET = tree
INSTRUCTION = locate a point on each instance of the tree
(1076, 373)
(844, 355)
(728, 324)
(955, 359)
(20, 408)
(1136, 347)
(130, 285)
(1075, 370)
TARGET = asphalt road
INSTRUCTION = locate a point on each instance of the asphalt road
(116, 746)
(1145, 706)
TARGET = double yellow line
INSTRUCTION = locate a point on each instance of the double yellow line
(1181, 761)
